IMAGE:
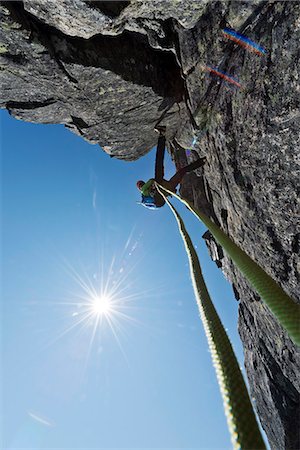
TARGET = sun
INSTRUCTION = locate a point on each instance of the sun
(102, 305)
(105, 301)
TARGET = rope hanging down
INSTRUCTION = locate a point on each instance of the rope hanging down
(242, 424)
(286, 311)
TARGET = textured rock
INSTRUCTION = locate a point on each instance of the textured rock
(111, 70)
(87, 18)
(101, 88)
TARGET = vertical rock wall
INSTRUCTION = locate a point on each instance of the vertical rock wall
(252, 143)
(110, 71)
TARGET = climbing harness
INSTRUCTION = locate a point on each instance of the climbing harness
(242, 424)
(286, 311)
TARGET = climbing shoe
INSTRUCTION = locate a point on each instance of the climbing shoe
(161, 130)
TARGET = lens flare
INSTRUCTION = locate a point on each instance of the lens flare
(223, 75)
(244, 41)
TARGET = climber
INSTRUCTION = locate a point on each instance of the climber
(150, 197)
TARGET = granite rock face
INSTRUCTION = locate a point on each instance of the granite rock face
(111, 71)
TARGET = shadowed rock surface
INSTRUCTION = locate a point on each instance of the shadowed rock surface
(110, 71)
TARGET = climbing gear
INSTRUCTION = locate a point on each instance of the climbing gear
(148, 202)
(286, 311)
(241, 419)
(140, 184)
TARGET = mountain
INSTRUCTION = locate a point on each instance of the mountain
(111, 71)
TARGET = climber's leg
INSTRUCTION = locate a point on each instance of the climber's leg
(177, 178)
(159, 160)
(196, 164)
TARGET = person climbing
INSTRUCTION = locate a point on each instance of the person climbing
(151, 198)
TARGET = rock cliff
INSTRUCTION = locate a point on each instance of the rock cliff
(110, 71)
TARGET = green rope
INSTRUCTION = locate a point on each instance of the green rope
(286, 311)
(241, 420)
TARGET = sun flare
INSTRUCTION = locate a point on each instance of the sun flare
(102, 305)
(105, 301)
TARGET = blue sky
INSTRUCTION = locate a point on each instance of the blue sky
(71, 224)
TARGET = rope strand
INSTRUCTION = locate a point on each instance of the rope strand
(242, 424)
(286, 311)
